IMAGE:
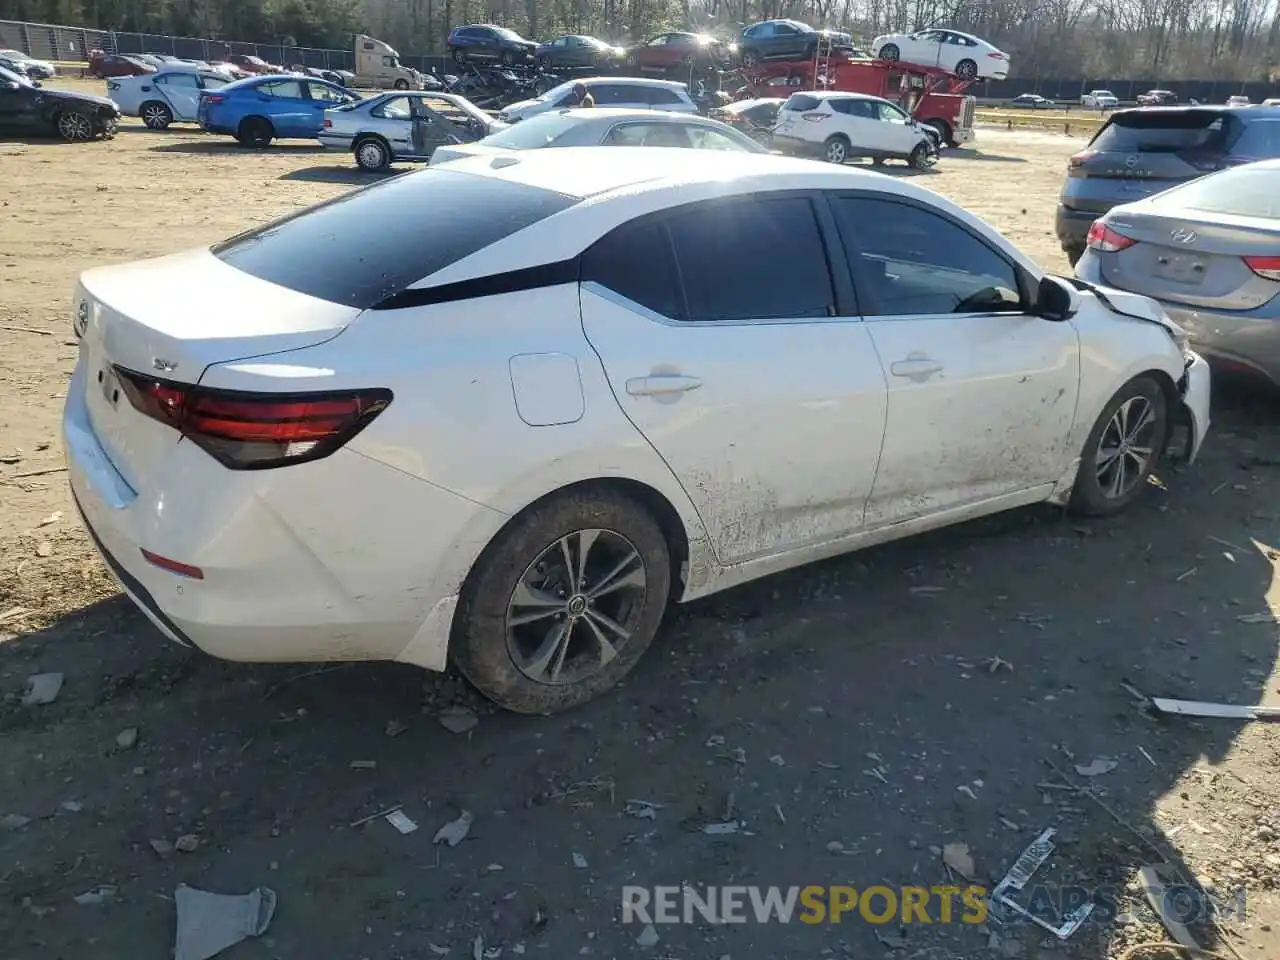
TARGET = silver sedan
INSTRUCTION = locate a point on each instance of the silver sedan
(404, 125)
(618, 127)
(1207, 250)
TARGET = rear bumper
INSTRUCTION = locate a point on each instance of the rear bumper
(962, 135)
(287, 576)
(796, 147)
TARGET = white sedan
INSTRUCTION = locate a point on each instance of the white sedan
(968, 57)
(168, 95)
(485, 436)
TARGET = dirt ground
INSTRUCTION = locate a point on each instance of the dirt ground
(850, 715)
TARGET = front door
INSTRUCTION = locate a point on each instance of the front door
(896, 130)
(981, 393)
(726, 352)
(860, 122)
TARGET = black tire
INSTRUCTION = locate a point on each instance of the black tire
(372, 154)
(482, 643)
(889, 51)
(255, 132)
(967, 70)
(401, 84)
(751, 59)
(837, 149)
(156, 115)
(75, 126)
(924, 156)
(459, 56)
(1097, 493)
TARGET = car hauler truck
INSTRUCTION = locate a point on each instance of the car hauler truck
(378, 65)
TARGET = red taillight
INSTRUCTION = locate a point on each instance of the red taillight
(327, 123)
(1268, 267)
(1078, 159)
(214, 98)
(1105, 240)
(255, 431)
(173, 566)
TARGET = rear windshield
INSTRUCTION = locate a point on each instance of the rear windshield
(532, 133)
(801, 101)
(1247, 191)
(362, 247)
(1151, 132)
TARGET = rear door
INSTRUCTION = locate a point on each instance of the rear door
(182, 91)
(1139, 153)
(729, 353)
(290, 110)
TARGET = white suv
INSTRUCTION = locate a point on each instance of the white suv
(630, 92)
(1100, 100)
(840, 126)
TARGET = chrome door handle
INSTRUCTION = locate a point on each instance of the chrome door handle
(661, 384)
(917, 368)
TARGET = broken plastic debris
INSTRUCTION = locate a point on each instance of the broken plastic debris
(642, 809)
(187, 843)
(127, 738)
(51, 518)
(438, 951)
(648, 936)
(1267, 617)
(209, 923)
(958, 858)
(580, 861)
(455, 831)
(1225, 711)
(163, 848)
(400, 820)
(1031, 859)
(364, 764)
(1159, 894)
(95, 896)
(722, 829)
(457, 719)
(42, 688)
(395, 728)
(13, 821)
(72, 806)
(1097, 767)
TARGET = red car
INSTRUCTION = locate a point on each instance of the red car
(669, 51)
(102, 65)
(253, 65)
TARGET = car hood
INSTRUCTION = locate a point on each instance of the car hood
(77, 97)
(514, 109)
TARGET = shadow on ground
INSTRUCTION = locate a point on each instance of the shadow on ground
(847, 714)
(230, 146)
(969, 153)
(344, 175)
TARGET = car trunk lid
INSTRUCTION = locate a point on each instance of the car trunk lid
(1190, 259)
(170, 318)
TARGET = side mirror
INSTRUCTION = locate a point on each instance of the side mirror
(1056, 300)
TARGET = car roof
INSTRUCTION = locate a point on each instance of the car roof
(614, 185)
(839, 95)
(630, 81)
(588, 114)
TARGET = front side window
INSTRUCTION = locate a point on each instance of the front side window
(888, 113)
(756, 259)
(284, 89)
(704, 138)
(913, 262)
(397, 108)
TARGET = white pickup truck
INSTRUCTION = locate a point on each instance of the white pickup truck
(1100, 100)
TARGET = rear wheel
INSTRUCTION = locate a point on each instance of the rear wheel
(967, 70)
(1123, 448)
(563, 603)
(889, 52)
(156, 115)
(402, 84)
(255, 132)
(751, 59)
(372, 154)
(74, 126)
(836, 149)
(924, 156)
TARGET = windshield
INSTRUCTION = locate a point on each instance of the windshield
(508, 34)
(532, 133)
(1103, 93)
(1248, 191)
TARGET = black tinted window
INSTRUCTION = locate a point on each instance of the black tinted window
(612, 262)
(801, 102)
(1152, 132)
(913, 262)
(360, 248)
(752, 259)
(659, 96)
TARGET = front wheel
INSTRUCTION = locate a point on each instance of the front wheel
(563, 603)
(924, 156)
(372, 155)
(836, 149)
(1122, 450)
(751, 59)
(967, 70)
(402, 84)
(889, 52)
(156, 115)
(74, 126)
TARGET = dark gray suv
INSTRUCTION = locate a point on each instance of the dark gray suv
(1141, 152)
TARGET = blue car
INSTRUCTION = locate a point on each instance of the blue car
(260, 109)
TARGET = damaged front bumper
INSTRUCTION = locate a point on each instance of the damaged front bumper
(1195, 388)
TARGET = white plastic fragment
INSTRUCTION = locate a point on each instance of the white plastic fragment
(400, 820)
(1096, 767)
(455, 831)
(42, 688)
(209, 923)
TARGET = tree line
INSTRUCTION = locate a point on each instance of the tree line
(1167, 39)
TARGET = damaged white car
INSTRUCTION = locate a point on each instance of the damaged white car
(586, 382)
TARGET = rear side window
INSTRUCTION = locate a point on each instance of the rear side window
(659, 96)
(1151, 132)
(290, 89)
(1241, 191)
(362, 247)
(752, 260)
(800, 102)
(612, 263)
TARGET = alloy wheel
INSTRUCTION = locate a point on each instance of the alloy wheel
(155, 116)
(576, 606)
(371, 156)
(75, 126)
(836, 152)
(1125, 447)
